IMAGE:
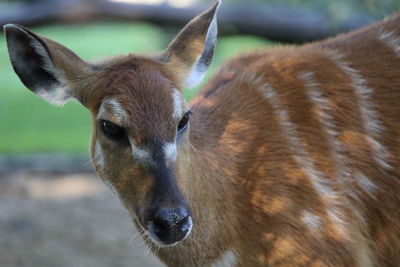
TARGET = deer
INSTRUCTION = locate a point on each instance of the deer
(287, 156)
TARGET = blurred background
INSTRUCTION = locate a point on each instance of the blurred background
(53, 210)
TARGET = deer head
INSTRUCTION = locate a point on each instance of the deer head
(141, 123)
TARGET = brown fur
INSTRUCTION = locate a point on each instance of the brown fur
(239, 167)
(235, 130)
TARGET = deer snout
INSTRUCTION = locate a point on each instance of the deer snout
(171, 225)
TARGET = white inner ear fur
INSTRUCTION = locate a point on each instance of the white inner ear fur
(200, 67)
(57, 95)
(196, 75)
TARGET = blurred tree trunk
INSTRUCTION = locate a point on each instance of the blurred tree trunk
(275, 23)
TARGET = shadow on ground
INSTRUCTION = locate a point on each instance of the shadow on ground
(65, 220)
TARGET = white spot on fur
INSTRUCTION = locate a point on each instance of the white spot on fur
(170, 151)
(313, 222)
(343, 176)
(366, 184)
(381, 154)
(327, 123)
(177, 104)
(369, 115)
(302, 157)
(114, 107)
(391, 40)
(142, 155)
(228, 259)
(99, 155)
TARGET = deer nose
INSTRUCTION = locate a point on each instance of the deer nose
(172, 225)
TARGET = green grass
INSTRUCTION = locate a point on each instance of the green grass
(29, 124)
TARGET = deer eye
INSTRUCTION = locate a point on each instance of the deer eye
(113, 131)
(184, 121)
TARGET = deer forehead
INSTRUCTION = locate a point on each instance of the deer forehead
(172, 105)
(139, 92)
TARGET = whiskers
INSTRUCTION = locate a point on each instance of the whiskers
(88, 162)
(142, 238)
(136, 238)
(151, 246)
(94, 158)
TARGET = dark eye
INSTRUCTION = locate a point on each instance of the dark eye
(113, 131)
(184, 121)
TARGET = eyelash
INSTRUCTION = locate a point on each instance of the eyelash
(113, 132)
(184, 122)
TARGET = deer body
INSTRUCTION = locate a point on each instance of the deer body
(307, 138)
(291, 157)
(297, 149)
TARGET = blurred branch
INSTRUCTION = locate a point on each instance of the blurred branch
(275, 23)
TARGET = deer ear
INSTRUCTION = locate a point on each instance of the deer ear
(190, 53)
(45, 67)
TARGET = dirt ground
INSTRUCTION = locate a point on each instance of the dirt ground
(65, 220)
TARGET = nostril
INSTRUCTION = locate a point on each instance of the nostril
(171, 217)
(179, 217)
(182, 221)
(160, 225)
(171, 225)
